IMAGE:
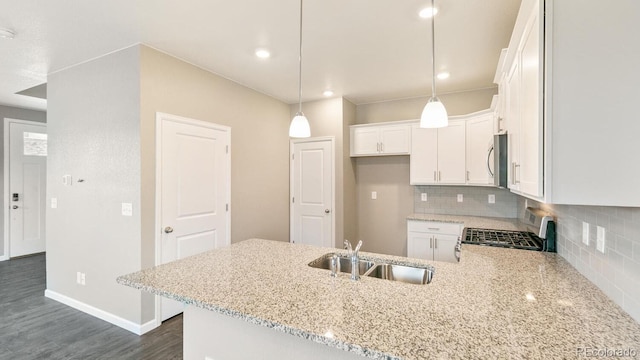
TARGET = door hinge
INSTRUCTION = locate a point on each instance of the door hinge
(227, 149)
(293, 200)
(227, 207)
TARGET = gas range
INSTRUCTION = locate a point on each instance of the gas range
(544, 238)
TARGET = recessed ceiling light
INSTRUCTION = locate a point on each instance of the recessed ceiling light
(7, 34)
(443, 75)
(428, 12)
(327, 93)
(263, 53)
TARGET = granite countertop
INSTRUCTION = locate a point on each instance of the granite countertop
(496, 303)
(472, 221)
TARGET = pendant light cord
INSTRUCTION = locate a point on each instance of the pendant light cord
(300, 65)
(433, 50)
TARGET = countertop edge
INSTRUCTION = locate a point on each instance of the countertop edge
(342, 345)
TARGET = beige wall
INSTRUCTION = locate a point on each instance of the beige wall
(460, 103)
(259, 142)
(348, 176)
(381, 223)
(326, 119)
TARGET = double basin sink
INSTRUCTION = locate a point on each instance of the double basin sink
(378, 269)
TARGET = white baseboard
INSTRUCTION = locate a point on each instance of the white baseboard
(4, 258)
(101, 314)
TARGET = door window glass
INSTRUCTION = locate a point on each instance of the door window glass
(35, 144)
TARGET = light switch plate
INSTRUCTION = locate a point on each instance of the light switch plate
(423, 196)
(460, 198)
(492, 199)
(127, 209)
(585, 233)
(67, 180)
(54, 203)
(374, 195)
(600, 239)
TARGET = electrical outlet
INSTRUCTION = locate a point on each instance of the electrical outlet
(423, 196)
(460, 198)
(127, 209)
(492, 199)
(585, 233)
(54, 203)
(374, 195)
(600, 239)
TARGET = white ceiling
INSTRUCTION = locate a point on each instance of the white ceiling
(364, 50)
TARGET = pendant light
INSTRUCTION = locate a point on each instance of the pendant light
(434, 115)
(299, 127)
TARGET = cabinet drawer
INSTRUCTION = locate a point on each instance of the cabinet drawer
(434, 227)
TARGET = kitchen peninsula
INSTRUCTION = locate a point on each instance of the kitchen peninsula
(495, 303)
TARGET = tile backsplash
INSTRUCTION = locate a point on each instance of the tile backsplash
(617, 271)
(444, 200)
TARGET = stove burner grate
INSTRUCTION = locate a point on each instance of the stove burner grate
(503, 238)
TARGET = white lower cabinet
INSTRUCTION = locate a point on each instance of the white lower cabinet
(433, 240)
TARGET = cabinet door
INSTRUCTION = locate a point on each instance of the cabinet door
(419, 245)
(365, 141)
(395, 139)
(451, 154)
(479, 142)
(513, 124)
(423, 162)
(444, 248)
(530, 170)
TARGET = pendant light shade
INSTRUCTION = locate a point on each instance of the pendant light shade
(434, 115)
(299, 127)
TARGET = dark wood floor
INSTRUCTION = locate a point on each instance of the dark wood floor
(34, 327)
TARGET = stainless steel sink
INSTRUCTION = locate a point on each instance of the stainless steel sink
(379, 269)
(407, 274)
(324, 262)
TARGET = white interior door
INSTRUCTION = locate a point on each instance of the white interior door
(27, 185)
(194, 191)
(312, 202)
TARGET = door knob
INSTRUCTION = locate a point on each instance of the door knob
(15, 206)
(168, 230)
(326, 211)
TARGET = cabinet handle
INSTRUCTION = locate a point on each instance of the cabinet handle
(467, 175)
(436, 229)
(439, 176)
(430, 243)
(515, 172)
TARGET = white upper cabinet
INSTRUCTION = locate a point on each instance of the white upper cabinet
(521, 89)
(571, 143)
(438, 155)
(479, 144)
(381, 139)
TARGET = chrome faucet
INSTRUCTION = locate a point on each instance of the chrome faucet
(355, 259)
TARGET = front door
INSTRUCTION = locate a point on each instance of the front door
(312, 174)
(195, 182)
(27, 184)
